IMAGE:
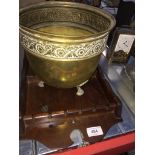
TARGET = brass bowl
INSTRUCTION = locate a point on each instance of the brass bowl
(64, 40)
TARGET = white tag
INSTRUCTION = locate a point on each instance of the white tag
(124, 42)
(94, 131)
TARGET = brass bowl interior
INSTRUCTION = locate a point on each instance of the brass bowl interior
(66, 19)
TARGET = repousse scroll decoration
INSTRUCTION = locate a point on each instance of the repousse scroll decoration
(63, 51)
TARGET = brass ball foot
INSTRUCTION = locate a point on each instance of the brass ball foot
(80, 91)
(41, 84)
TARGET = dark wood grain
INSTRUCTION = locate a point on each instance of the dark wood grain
(51, 114)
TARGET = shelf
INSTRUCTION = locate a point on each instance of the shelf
(120, 137)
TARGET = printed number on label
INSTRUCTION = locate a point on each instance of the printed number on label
(94, 131)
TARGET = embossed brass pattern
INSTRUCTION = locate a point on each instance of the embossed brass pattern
(61, 51)
(64, 40)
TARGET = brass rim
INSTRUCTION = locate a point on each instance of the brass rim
(52, 37)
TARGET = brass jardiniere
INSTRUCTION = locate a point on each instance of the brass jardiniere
(64, 40)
